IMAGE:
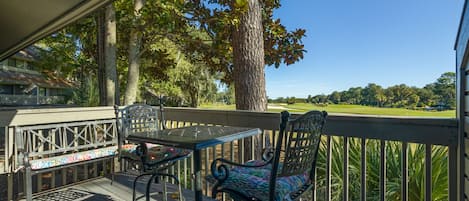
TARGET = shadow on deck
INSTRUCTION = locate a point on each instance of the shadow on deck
(101, 189)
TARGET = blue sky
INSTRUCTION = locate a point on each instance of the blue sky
(352, 43)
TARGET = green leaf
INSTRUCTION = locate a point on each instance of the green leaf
(240, 4)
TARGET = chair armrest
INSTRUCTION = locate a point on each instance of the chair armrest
(163, 164)
(268, 154)
(220, 170)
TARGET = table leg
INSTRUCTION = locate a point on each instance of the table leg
(198, 176)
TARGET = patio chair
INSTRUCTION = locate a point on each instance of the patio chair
(147, 158)
(284, 173)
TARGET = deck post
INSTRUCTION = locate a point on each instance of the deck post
(9, 160)
(28, 181)
(10, 185)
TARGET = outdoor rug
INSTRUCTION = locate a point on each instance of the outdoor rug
(71, 194)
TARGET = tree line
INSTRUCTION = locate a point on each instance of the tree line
(440, 94)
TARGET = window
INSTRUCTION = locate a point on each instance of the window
(29, 65)
(19, 89)
(20, 64)
(56, 92)
(42, 91)
(11, 62)
(53, 92)
(6, 89)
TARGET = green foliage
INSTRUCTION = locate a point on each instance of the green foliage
(87, 94)
(172, 54)
(219, 17)
(445, 89)
(198, 32)
(441, 94)
(186, 81)
(416, 155)
(291, 100)
(71, 54)
(226, 96)
(58, 54)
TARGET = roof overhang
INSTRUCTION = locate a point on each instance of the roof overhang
(460, 24)
(24, 22)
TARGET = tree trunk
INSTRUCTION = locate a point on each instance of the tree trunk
(249, 76)
(110, 56)
(134, 57)
(194, 96)
(248, 54)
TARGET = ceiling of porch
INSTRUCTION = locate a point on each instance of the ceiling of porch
(25, 21)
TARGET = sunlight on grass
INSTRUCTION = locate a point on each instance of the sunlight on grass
(345, 109)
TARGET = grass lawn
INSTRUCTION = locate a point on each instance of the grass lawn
(345, 109)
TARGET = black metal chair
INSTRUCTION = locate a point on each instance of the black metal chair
(284, 173)
(147, 158)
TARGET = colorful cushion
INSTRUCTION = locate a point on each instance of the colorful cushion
(155, 152)
(72, 158)
(254, 182)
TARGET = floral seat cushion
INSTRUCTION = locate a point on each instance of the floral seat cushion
(155, 152)
(254, 182)
(72, 158)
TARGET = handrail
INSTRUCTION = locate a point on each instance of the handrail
(436, 131)
(409, 129)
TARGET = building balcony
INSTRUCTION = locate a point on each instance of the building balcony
(8, 99)
(360, 158)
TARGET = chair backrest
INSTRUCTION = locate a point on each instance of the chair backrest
(299, 139)
(136, 118)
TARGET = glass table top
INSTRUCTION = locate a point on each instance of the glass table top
(194, 137)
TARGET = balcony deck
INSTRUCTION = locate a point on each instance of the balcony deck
(369, 144)
(101, 189)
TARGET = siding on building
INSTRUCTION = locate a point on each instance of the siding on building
(462, 70)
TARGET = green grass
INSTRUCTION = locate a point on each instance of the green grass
(345, 109)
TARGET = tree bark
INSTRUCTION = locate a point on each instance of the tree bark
(134, 57)
(248, 56)
(112, 97)
(249, 76)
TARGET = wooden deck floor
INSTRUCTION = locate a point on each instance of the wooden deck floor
(100, 189)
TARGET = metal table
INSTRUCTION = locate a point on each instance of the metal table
(195, 138)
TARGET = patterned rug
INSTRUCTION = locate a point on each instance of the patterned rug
(71, 194)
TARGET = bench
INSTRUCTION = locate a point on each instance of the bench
(49, 147)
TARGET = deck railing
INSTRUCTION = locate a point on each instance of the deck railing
(348, 140)
(9, 99)
(420, 148)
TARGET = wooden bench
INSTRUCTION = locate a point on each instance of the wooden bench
(49, 147)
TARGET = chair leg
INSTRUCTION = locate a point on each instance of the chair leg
(135, 184)
(147, 192)
(28, 184)
(112, 171)
(165, 191)
(214, 191)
